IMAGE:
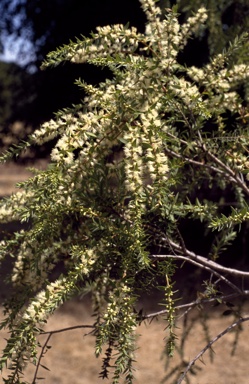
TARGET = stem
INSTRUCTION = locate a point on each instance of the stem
(209, 345)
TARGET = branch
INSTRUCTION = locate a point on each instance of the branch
(234, 177)
(195, 304)
(204, 261)
(195, 162)
(40, 357)
(225, 170)
(201, 265)
(230, 172)
(50, 333)
(66, 329)
(216, 338)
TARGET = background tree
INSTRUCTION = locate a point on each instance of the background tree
(16, 101)
(49, 24)
(118, 223)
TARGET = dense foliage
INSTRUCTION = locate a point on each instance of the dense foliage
(156, 145)
(42, 25)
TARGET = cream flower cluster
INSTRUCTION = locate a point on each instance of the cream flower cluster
(43, 262)
(239, 72)
(157, 161)
(134, 90)
(113, 308)
(40, 308)
(7, 214)
(167, 32)
(18, 275)
(193, 25)
(133, 160)
(48, 131)
(151, 10)
(188, 92)
(46, 301)
(221, 81)
(86, 257)
(76, 135)
(108, 40)
(36, 312)
(10, 208)
(197, 74)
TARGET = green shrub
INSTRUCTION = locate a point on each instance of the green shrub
(158, 144)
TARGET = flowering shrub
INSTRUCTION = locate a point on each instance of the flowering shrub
(125, 171)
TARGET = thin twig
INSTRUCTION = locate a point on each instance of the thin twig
(203, 260)
(195, 162)
(67, 329)
(50, 333)
(40, 357)
(225, 170)
(230, 172)
(196, 303)
(209, 345)
(198, 264)
(224, 166)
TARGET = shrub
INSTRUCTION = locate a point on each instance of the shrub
(157, 145)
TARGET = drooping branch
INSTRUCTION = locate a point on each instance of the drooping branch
(201, 265)
(209, 345)
(40, 358)
(67, 329)
(195, 304)
(50, 334)
(195, 162)
(229, 172)
(204, 261)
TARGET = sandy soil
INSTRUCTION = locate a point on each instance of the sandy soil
(71, 358)
(10, 174)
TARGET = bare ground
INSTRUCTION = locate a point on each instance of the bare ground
(11, 173)
(71, 358)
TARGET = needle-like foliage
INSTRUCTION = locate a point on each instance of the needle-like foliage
(156, 144)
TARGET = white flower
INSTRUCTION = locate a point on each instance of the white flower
(55, 155)
(68, 159)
